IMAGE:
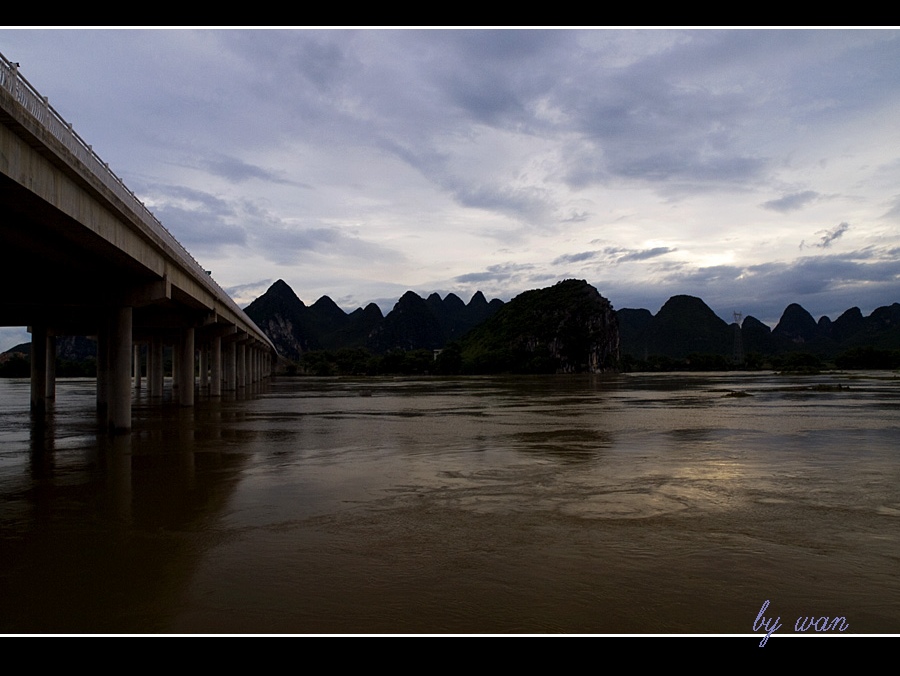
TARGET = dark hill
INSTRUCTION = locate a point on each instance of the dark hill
(413, 323)
(633, 325)
(565, 328)
(756, 336)
(881, 329)
(285, 319)
(410, 325)
(796, 326)
(686, 325)
(847, 325)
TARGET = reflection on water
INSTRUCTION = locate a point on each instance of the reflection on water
(633, 503)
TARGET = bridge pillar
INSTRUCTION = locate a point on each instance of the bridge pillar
(215, 380)
(204, 368)
(137, 367)
(186, 367)
(230, 366)
(241, 365)
(176, 367)
(119, 383)
(39, 369)
(102, 368)
(150, 367)
(51, 367)
(155, 367)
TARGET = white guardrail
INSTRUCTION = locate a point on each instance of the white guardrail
(39, 107)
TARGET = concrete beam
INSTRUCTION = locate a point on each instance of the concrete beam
(150, 293)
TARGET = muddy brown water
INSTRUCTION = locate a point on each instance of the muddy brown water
(650, 503)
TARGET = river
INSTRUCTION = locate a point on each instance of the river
(648, 503)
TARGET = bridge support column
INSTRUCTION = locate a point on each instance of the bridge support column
(215, 379)
(186, 368)
(39, 369)
(150, 367)
(230, 366)
(51, 367)
(137, 367)
(241, 365)
(155, 367)
(102, 369)
(204, 368)
(176, 367)
(120, 353)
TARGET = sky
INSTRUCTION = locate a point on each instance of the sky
(751, 168)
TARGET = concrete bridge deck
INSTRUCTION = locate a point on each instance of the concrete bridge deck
(81, 255)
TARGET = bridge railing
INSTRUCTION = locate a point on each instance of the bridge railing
(39, 107)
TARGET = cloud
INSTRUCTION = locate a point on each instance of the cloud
(238, 171)
(199, 220)
(286, 244)
(645, 254)
(495, 273)
(577, 217)
(791, 202)
(493, 76)
(244, 294)
(533, 137)
(832, 235)
(615, 255)
(575, 258)
(825, 284)
(525, 203)
(894, 212)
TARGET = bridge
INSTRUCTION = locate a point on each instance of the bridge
(80, 254)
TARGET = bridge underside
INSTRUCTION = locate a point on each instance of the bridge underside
(54, 270)
(60, 278)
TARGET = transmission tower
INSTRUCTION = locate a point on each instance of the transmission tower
(738, 355)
